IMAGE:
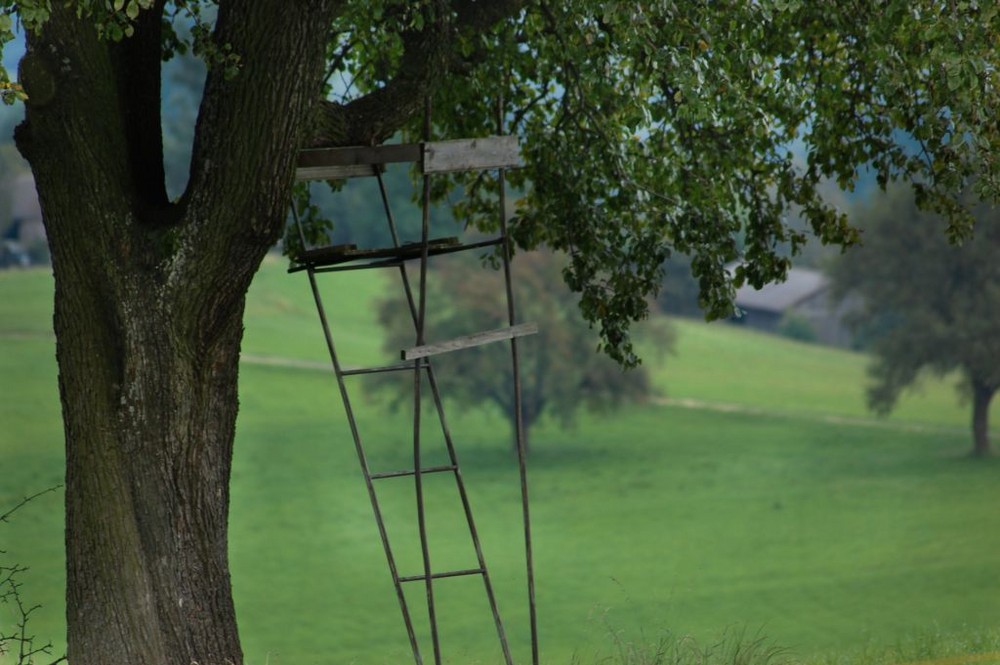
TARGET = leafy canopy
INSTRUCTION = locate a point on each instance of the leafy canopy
(658, 127)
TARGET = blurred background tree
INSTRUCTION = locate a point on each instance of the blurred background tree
(561, 368)
(927, 304)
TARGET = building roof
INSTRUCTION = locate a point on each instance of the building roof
(801, 284)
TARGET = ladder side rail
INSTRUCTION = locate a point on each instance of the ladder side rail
(518, 411)
(393, 231)
(448, 439)
(473, 531)
(418, 476)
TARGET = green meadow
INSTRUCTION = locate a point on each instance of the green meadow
(753, 496)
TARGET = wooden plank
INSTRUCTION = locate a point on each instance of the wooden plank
(320, 254)
(468, 341)
(352, 161)
(491, 152)
(353, 155)
(334, 171)
(342, 253)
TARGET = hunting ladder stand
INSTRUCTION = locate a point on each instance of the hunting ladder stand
(496, 152)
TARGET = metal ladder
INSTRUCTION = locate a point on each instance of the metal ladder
(478, 154)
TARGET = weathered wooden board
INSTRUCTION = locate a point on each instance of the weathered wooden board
(352, 161)
(335, 172)
(350, 252)
(468, 341)
(360, 154)
(491, 152)
(320, 254)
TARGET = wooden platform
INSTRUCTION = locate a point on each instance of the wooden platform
(343, 253)
(491, 152)
(379, 256)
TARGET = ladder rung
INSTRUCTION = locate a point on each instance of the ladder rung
(437, 576)
(411, 472)
(353, 156)
(467, 341)
(376, 370)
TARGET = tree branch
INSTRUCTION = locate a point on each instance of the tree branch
(4, 517)
(250, 127)
(429, 57)
(73, 124)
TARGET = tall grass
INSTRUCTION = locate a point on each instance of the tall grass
(735, 646)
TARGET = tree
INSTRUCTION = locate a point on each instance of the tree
(561, 370)
(647, 128)
(927, 304)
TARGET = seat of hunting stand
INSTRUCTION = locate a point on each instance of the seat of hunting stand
(336, 254)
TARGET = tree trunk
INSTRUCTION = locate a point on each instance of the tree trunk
(982, 395)
(149, 421)
(149, 303)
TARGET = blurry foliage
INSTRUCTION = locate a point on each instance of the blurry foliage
(657, 130)
(561, 370)
(795, 326)
(927, 304)
(678, 294)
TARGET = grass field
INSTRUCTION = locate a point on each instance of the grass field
(755, 494)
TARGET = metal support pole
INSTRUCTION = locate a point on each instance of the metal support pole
(522, 452)
(418, 475)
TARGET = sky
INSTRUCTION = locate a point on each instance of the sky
(13, 51)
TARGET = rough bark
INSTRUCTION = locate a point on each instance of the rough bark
(982, 395)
